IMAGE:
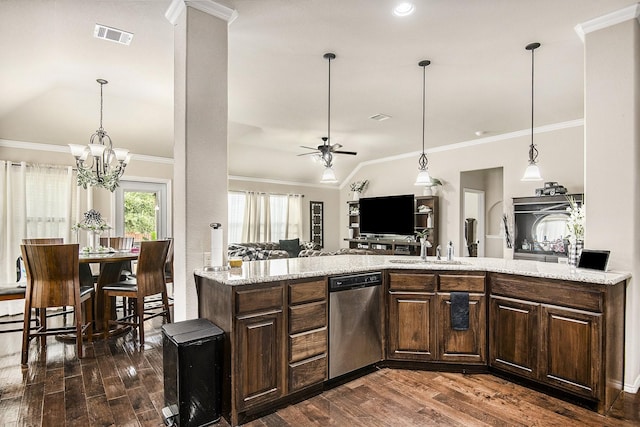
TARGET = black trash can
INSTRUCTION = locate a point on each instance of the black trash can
(192, 361)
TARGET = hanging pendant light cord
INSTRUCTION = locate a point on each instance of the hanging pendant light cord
(424, 102)
(329, 106)
(533, 151)
(423, 161)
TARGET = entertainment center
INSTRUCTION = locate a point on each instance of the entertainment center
(388, 225)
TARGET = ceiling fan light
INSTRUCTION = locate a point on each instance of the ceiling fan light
(328, 176)
(532, 173)
(423, 178)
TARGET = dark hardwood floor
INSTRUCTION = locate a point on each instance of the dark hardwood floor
(118, 384)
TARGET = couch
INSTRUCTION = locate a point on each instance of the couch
(269, 250)
(273, 250)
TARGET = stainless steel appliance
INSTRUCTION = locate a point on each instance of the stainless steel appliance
(355, 322)
(540, 226)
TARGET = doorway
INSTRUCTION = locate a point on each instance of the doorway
(481, 201)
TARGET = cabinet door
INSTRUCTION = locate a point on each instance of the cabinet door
(513, 340)
(469, 346)
(411, 327)
(259, 356)
(571, 349)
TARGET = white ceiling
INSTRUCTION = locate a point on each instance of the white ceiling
(479, 78)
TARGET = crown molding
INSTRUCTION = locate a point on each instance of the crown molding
(480, 141)
(275, 181)
(53, 148)
(207, 6)
(608, 20)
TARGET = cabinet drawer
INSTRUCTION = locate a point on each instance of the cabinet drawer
(412, 282)
(548, 291)
(307, 291)
(251, 300)
(307, 372)
(307, 316)
(307, 344)
(459, 282)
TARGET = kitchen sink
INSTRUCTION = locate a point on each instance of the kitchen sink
(428, 261)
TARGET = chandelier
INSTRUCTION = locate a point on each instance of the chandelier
(423, 177)
(106, 165)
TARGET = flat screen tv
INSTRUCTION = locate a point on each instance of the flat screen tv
(387, 215)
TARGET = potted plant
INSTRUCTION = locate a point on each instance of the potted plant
(358, 187)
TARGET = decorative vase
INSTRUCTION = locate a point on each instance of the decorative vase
(356, 196)
(94, 240)
(423, 248)
(575, 250)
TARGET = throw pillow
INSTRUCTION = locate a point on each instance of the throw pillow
(292, 246)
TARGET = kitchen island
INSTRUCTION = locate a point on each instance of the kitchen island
(548, 325)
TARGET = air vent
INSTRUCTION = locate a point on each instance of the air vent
(379, 117)
(112, 34)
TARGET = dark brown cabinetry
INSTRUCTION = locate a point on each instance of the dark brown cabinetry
(561, 334)
(419, 317)
(259, 336)
(307, 347)
(427, 220)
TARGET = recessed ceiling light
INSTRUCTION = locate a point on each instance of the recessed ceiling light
(481, 132)
(404, 9)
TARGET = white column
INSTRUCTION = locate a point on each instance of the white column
(612, 157)
(200, 150)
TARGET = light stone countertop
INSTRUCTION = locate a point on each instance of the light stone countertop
(299, 268)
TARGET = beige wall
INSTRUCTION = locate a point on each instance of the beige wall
(612, 157)
(561, 160)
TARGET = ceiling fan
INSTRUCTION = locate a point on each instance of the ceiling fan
(326, 151)
(325, 148)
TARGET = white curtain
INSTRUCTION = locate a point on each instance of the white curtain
(37, 202)
(49, 195)
(294, 217)
(13, 223)
(256, 224)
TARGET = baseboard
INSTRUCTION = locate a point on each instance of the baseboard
(634, 387)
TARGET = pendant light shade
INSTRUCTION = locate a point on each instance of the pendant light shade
(532, 173)
(423, 177)
(328, 176)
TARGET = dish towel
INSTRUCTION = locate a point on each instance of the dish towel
(460, 311)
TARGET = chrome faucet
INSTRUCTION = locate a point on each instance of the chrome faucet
(438, 249)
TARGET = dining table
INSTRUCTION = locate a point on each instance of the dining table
(111, 266)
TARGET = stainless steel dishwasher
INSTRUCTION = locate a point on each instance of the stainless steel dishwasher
(355, 322)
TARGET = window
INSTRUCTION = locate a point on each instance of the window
(262, 217)
(143, 209)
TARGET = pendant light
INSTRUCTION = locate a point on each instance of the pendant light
(328, 176)
(532, 173)
(423, 172)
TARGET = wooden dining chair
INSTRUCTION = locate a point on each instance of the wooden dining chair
(149, 281)
(117, 243)
(53, 280)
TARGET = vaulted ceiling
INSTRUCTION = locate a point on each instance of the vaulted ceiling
(479, 78)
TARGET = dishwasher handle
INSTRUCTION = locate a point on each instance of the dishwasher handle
(355, 281)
